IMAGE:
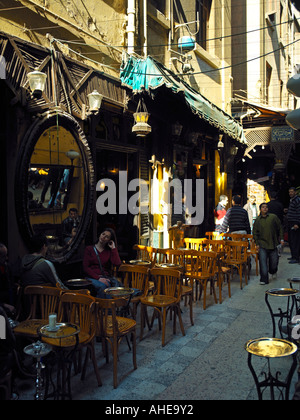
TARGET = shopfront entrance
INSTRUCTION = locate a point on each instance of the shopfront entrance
(109, 164)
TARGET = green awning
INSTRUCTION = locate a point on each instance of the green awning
(148, 74)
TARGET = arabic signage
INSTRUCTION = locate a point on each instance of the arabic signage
(282, 134)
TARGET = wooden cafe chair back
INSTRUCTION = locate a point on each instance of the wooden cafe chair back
(200, 269)
(145, 253)
(135, 276)
(166, 296)
(42, 301)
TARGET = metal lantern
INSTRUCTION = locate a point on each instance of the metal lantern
(293, 119)
(220, 143)
(72, 155)
(37, 81)
(187, 43)
(95, 100)
(293, 85)
(141, 127)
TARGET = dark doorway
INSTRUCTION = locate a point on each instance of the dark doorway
(109, 164)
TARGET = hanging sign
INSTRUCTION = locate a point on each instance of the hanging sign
(282, 134)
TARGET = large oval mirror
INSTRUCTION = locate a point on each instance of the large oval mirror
(55, 184)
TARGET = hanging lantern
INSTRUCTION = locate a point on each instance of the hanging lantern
(37, 81)
(186, 43)
(141, 127)
(95, 100)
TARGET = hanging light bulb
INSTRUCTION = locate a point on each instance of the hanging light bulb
(141, 127)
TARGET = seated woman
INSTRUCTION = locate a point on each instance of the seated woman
(98, 260)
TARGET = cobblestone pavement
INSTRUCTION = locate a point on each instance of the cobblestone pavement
(208, 363)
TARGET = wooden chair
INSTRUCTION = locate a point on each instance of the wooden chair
(43, 300)
(135, 276)
(201, 270)
(173, 256)
(146, 253)
(223, 270)
(176, 257)
(198, 244)
(237, 257)
(80, 310)
(252, 251)
(213, 235)
(113, 328)
(162, 255)
(166, 296)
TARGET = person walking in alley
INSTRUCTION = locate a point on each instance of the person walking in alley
(236, 219)
(251, 209)
(293, 217)
(267, 234)
(275, 206)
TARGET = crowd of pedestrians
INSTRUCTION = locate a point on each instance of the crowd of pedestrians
(267, 226)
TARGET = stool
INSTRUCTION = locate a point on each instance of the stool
(287, 314)
(5, 386)
(272, 348)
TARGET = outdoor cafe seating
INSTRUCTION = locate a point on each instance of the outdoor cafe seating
(161, 278)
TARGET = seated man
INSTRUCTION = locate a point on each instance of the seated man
(36, 269)
(70, 223)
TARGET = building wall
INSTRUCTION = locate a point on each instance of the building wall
(264, 52)
(95, 30)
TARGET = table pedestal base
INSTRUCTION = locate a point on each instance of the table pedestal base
(273, 382)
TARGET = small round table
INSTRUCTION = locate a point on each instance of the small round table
(272, 348)
(170, 265)
(288, 293)
(121, 293)
(140, 262)
(62, 337)
(77, 284)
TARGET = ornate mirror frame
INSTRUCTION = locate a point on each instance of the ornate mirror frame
(45, 121)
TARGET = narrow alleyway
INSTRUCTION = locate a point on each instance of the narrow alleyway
(208, 363)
